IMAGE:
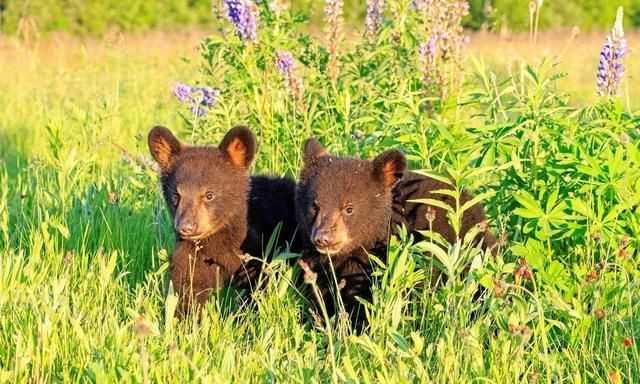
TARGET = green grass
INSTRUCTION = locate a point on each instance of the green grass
(85, 237)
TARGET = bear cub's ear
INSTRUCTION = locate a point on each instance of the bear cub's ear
(312, 151)
(389, 167)
(239, 146)
(164, 147)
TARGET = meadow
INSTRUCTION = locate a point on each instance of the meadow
(85, 237)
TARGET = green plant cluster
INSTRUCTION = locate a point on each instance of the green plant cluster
(561, 184)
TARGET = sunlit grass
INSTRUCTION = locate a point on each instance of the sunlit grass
(575, 54)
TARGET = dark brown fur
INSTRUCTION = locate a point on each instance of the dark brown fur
(215, 205)
(348, 208)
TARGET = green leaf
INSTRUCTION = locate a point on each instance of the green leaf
(476, 199)
(434, 203)
(580, 207)
(529, 203)
(435, 176)
(551, 201)
(536, 260)
(527, 214)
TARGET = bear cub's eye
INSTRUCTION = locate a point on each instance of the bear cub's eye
(348, 210)
(209, 196)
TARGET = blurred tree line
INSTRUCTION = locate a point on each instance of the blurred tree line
(586, 14)
(97, 16)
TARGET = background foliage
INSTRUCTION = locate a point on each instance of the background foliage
(97, 16)
(85, 236)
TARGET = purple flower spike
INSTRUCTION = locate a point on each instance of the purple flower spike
(428, 49)
(611, 64)
(333, 10)
(209, 96)
(182, 92)
(200, 99)
(333, 17)
(284, 62)
(375, 8)
(286, 66)
(243, 15)
(419, 5)
(428, 54)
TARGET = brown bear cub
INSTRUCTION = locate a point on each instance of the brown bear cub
(348, 208)
(219, 212)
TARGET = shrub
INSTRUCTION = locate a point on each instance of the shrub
(560, 183)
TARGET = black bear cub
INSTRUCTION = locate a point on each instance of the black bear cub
(219, 212)
(348, 208)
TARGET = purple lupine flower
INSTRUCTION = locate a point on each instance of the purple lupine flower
(428, 49)
(200, 99)
(243, 15)
(375, 8)
(333, 9)
(611, 65)
(286, 66)
(182, 92)
(284, 62)
(428, 53)
(419, 5)
(333, 17)
(209, 96)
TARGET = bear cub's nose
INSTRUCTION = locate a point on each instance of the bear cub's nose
(187, 229)
(322, 239)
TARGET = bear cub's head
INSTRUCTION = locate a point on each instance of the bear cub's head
(205, 187)
(344, 204)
